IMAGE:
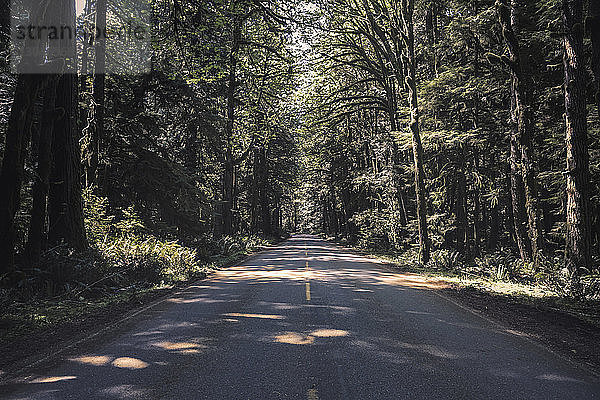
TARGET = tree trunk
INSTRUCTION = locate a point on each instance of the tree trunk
(227, 194)
(65, 207)
(35, 237)
(99, 94)
(18, 134)
(228, 191)
(517, 200)
(577, 234)
(4, 34)
(431, 30)
(461, 213)
(507, 15)
(411, 86)
(265, 209)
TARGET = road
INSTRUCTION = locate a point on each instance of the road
(307, 320)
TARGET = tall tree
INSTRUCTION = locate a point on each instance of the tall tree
(99, 93)
(65, 204)
(18, 135)
(521, 143)
(4, 33)
(407, 32)
(37, 223)
(577, 232)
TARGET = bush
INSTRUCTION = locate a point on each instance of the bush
(379, 230)
(445, 260)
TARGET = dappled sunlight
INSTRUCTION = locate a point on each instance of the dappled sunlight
(93, 360)
(260, 316)
(129, 363)
(179, 325)
(413, 281)
(181, 347)
(52, 379)
(266, 275)
(257, 316)
(199, 299)
(329, 333)
(279, 306)
(147, 333)
(294, 338)
(120, 362)
(516, 333)
(363, 270)
(557, 378)
(305, 339)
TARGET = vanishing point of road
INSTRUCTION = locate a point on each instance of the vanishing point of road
(306, 320)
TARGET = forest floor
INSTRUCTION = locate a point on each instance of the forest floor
(566, 326)
(30, 330)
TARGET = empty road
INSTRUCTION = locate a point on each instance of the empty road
(306, 320)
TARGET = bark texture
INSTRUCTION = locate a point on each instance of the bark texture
(18, 135)
(410, 83)
(521, 142)
(37, 224)
(577, 234)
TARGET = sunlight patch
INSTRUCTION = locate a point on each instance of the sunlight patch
(129, 363)
(329, 333)
(182, 347)
(557, 378)
(294, 338)
(52, 379)
(92, 360)
(261, 316)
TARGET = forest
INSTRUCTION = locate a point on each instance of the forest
(459, 135)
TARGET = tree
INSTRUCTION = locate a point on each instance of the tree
(4, 33)
(409, 63)
(65, 203)
(99, 90)
(18, 135)
(521, 144)
(37, 224)
(577, 232)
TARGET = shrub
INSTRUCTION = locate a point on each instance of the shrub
(500, 265)
(445, 260)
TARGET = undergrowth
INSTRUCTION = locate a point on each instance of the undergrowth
(125, 260)
(500, 271)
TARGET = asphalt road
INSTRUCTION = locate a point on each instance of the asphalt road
(307, 320)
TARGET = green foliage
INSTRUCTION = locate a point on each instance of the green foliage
(500, 265)
(446, 260)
